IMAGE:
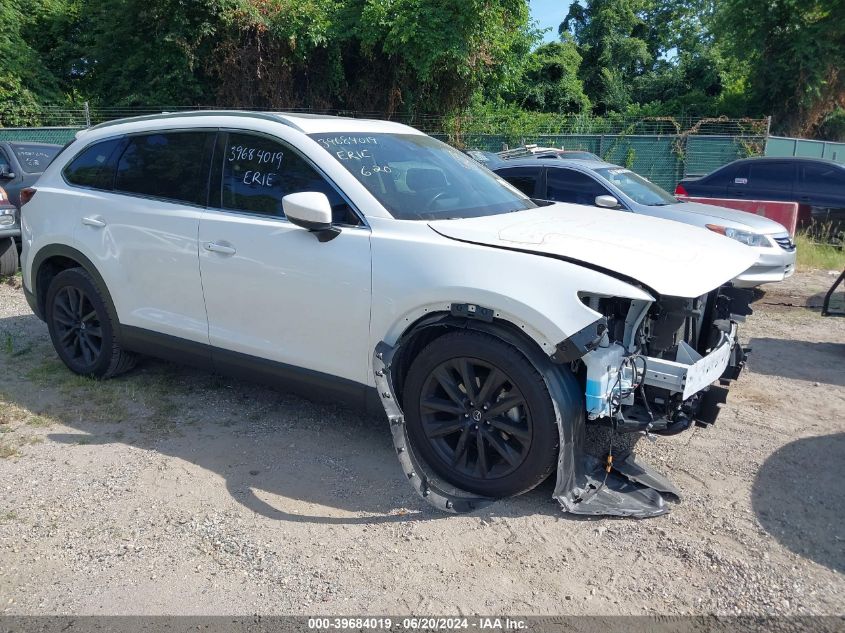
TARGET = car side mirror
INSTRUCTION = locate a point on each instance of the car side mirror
(7, 173)
(607, 202)
(312, 211)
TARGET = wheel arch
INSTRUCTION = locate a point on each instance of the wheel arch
(53, 259)
(433, 325)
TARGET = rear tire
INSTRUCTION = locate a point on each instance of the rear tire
(81, 329)
(479, 413)
(8, 256)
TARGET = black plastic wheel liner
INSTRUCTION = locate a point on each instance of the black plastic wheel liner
(631, 488)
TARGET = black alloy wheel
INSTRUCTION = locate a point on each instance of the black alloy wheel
(78, 328)
(479, 414)
(475, 418)
(81, 326)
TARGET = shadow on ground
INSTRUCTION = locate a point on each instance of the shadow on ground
(799, 360)
(281, 456)
(798, 497)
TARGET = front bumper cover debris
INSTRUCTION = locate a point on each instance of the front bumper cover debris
(630, 489)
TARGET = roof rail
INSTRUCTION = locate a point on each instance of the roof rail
(277, 117)
(528, 150)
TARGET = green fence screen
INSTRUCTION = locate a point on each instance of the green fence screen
(57, 135)
(783, 146)
(662, 158)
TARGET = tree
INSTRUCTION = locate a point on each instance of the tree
(611, 40)
(549, 81)
(794, 55)
(24, 81)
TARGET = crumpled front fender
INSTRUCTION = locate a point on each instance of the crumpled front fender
(583, 486)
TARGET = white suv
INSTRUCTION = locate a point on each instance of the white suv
(364, 259)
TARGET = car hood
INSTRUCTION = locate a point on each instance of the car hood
(668, 257)
(705, 213)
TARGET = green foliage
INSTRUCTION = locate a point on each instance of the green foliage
(794, 52)
(23, 81)
(611, 38)
(549, 81)
(648, 58)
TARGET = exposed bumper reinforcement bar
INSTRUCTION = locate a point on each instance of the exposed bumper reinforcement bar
(691, 372)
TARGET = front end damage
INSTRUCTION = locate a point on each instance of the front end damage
(643, 367)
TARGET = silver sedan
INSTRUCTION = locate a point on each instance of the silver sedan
(611, 186)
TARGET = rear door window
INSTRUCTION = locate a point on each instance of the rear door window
(567, 185)
(167, 165)
(770, 176)
(523, 178)
(94, 166)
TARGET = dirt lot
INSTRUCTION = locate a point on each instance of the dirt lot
(171, 491)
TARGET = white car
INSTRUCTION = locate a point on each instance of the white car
(366, 260)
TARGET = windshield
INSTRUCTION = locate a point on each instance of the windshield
(636, 187)
(35, 158)
(417, 177)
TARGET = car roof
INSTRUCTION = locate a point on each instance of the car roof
(304, 122)
(781, 159)
(32, 144)
(560, 164)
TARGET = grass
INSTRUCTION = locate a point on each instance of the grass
(812, 255)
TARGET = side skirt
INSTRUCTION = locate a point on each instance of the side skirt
(308, 383)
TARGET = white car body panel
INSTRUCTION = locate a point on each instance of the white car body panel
(538, 295)
(668, 257)
(286, 297)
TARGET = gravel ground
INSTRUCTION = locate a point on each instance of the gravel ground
(172, 491)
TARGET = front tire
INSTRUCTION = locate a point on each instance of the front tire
(8, 256)
(81, 329)
(479, 413)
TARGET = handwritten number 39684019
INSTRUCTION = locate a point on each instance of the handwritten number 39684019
(262, 156)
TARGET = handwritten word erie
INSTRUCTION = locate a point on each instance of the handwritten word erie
(331, 141)
(264, 157)
(259, 178)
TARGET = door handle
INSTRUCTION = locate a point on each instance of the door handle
(223, 249)
(96, 222)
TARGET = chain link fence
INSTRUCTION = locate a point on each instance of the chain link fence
(663, 149)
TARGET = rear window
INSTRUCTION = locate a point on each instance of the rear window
(165, 165)
(94, 166)
(35, 158)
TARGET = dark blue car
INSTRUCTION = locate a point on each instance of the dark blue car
(816, 184)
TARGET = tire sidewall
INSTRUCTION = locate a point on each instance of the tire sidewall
(79, 279)
(9, 259)
(543, 450)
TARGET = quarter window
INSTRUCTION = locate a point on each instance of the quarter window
(165, 165)
(258, 172)
(94, 166)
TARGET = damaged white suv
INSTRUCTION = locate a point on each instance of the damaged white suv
(364, 259)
